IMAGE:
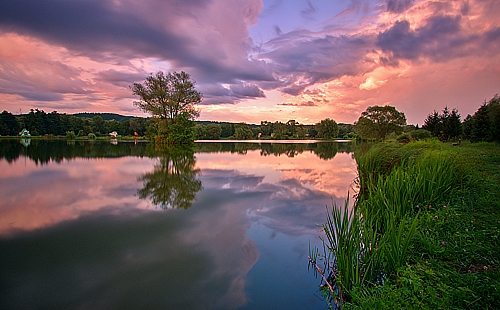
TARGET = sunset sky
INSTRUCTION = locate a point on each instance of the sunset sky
(253, 60)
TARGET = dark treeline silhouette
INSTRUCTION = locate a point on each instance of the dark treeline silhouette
(39, 123)
(445, 126)
(484, 125)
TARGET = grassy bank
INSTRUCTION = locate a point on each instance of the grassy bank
(424, 232)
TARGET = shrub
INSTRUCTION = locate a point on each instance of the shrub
(70, 135)
(414, 135)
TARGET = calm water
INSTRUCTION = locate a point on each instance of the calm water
(224, 226)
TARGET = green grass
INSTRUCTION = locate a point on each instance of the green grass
(424, 232)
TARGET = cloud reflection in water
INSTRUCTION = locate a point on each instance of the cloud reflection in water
(82, 238)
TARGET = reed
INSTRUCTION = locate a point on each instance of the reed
(369, 241)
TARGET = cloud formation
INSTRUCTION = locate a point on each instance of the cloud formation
(84, 54)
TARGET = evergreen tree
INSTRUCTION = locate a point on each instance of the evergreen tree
(467, 126)
(453, 125)
(433, 123)
(494, 114)
(445, 126)
(481, 125)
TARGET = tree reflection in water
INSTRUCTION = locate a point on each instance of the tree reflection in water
(173, 184)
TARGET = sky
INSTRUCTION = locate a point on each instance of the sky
(253, 60)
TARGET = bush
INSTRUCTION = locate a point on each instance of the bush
(91, 136)
(70, 135)
(414, 135)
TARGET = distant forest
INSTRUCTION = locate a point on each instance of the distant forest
(484, 125)
(40, 123)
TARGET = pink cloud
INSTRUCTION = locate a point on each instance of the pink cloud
(82, 55)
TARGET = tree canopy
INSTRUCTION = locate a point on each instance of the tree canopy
(327, 129)
(167, 96)
(378, 122)
(171, 99)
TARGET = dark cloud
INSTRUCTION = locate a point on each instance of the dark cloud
(302, 59)
(245, 90)
(112, 32)
(89, 27)
(302, 104)
(399, 6)
(440, 39)
(217, 94)
(493, 35)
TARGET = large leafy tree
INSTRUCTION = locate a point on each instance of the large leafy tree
(378, 122)
(170, 98)
(327, 129)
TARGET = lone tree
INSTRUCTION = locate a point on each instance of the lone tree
(171, 99)
(378, 122)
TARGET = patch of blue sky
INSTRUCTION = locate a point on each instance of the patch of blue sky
(281, 17)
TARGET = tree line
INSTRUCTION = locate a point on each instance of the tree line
(375, 123)
(325, 129)
(379, 123)
(40, 123)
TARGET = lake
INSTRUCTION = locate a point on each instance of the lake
(120, 225)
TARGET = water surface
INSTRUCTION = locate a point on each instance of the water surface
(97, 225)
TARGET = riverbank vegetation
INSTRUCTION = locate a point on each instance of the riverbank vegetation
(40, 123)
(423, 232)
